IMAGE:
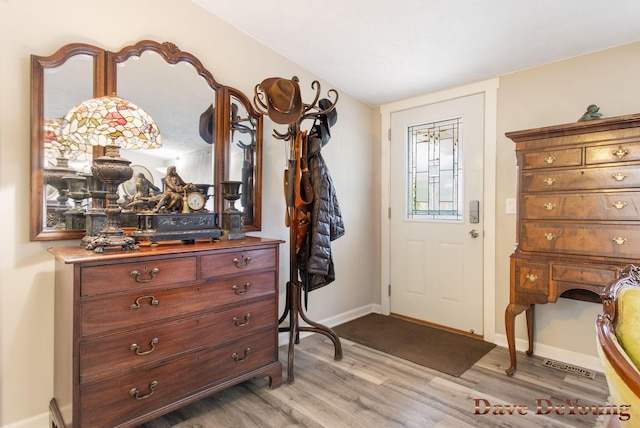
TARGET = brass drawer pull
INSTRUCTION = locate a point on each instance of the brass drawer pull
(153, 273)
(532, 277)
(236, 289)
(153, 302)
(549, 206)
(136, 348)
(236, 357)
(549, 159)
(619, 176)
(621, 152)
(550, 236)
(247, 260)
(549, 181)
(135, 393)
(237, 323)
(619, 204)
(619, 240)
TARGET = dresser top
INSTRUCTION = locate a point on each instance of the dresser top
(80, 255)
(589, 126)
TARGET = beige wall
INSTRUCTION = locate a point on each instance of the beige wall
(26, 287)
(551, 95)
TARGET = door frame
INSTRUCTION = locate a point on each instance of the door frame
(490, 90)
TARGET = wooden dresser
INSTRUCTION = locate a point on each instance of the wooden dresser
(578, 213)
(142, 333)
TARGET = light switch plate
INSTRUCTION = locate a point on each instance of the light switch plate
(511, 206)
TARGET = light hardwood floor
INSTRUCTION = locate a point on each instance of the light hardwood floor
(371, 389)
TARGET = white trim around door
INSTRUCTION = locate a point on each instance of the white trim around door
(490, 90)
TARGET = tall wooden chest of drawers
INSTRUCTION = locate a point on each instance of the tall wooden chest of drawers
(578, 213)
(141, 333)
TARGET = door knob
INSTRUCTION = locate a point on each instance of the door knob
(474, 233)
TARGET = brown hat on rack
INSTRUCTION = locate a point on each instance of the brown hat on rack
(284, 104)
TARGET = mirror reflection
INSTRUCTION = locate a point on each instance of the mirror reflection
(242, 157)
(65, 86)
(178, 100)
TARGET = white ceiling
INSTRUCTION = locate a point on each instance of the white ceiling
(381, 51)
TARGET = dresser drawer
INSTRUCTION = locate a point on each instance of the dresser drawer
(142, 391)
(144, 346)
(141, 273)
(100, 314)
(619, 240)
(552, 158)
(581, 274)
(531, 277)
(584, 206)
(581, 179)
(613, 153)
(235, 262)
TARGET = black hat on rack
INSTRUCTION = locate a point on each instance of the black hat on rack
(332, 116)
(325, 121)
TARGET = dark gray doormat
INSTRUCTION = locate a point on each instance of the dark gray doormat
(438, 349)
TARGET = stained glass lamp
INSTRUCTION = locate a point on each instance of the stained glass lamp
(116, 124)
(56, 146)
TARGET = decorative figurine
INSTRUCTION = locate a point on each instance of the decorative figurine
(179, 213)
(171, 200)
(591, 113)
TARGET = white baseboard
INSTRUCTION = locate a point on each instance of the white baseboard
(283, 337)
(40, 421)
(558, 354)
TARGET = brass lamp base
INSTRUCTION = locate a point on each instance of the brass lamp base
(112, 170)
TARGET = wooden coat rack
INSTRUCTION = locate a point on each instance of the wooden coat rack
(296, 218)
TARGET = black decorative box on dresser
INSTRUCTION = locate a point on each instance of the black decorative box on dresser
(142, 333)
(578, 213)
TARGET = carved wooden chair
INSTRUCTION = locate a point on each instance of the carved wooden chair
(618, 338)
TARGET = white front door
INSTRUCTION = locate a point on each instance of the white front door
(436, 193)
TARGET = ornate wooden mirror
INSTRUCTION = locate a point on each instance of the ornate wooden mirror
(205, 128)
(242, 159)
(58, 82)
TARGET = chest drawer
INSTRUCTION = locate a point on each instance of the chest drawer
(586, 206)
(621, 240)
(104, 313)
(552, 158)
(531, 277)
(236, 262)
(145, 272)
(581, 179)
(143, 391)
(582, 274)
(613, 153)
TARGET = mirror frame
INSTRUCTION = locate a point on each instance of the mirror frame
(105, 65)
(229, 92)
(38, 66)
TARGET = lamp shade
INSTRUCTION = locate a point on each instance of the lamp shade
(55, 145)
(111, 120)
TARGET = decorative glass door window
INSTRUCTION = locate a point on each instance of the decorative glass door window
(434, 170)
